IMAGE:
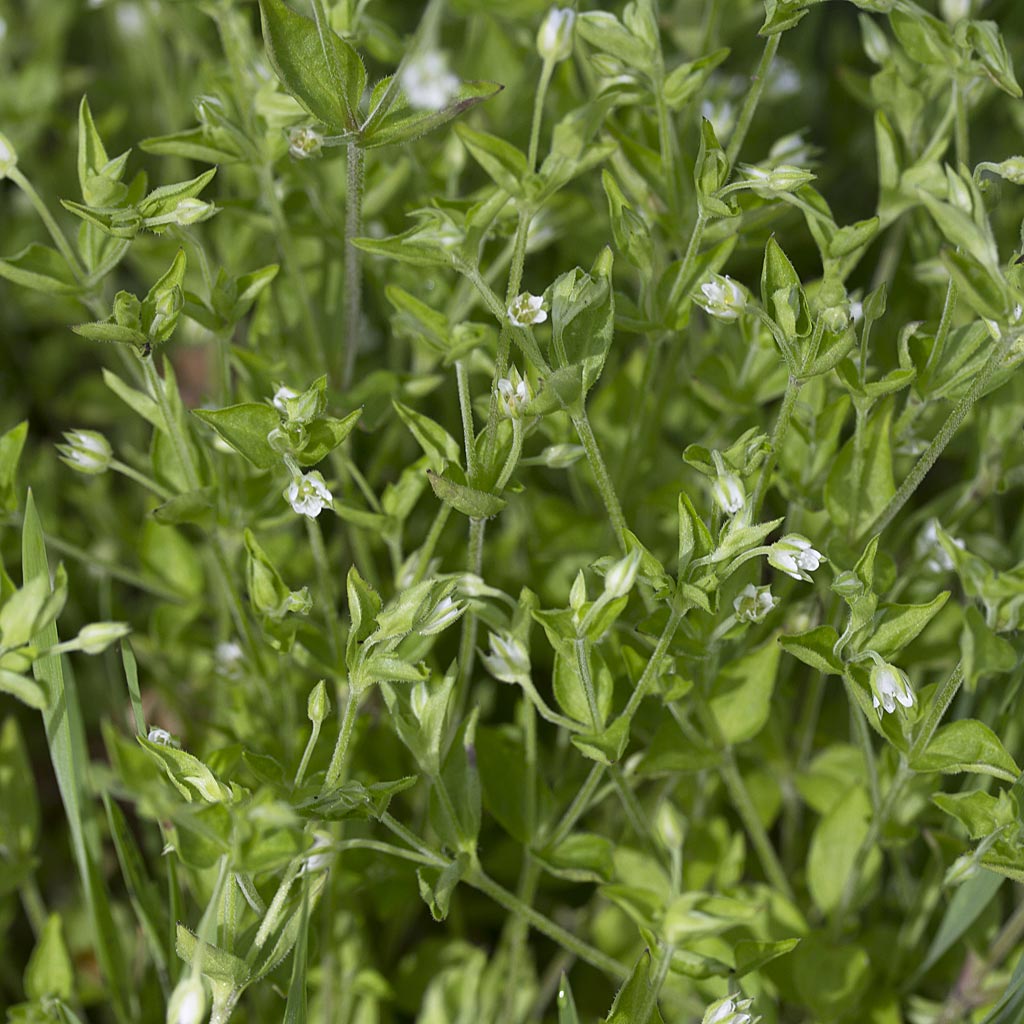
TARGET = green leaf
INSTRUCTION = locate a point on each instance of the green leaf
(566, 1004)
(853, 504)
(324, 74)
(438, 445)
(741, 701)
(607, 746)
(437, 894)
(633, 1004)
(206, 144)
(11, 444)
(815, 648)
(686, 80)
(324, 435)
(982, 652)
(988, 44)
(42, 269)
(28, 691)
(583, 317)
(968, 903)
(979, 812)
(752, 956)
(245, 427)
(65, 736)
(580, 857)
(901, 623)
(295, 1010)
(500, 159)
(468, 500)
(925, 38)
(403, 124)
(187, 773)
(966, 746)
(782, 294)
(215, 963)
(830, 979)
(986, 293)
(19, 805)
(835, 846)
(49, 972)
(165, 199)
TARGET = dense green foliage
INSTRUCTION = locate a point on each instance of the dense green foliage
(507, 513)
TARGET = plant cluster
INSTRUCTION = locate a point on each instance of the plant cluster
(532, 494)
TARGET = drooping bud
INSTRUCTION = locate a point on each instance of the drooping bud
(318, 704)
(96, 637)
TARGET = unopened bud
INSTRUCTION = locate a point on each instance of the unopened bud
(619, 579)
(98, 636)
(554, 40)
(192, 211)
(87, 451)
(188, 1002)
(8, 156)
(318, 705)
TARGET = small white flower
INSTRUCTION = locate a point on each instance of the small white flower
(928, 546)
(754, 603)
(790, 148)
(508, 660)
(227, 656)
(157, 735)
(722, 298)
(729, 1011)
(554, 40)
(721, 115)
(784, 81)
(795, 556)
(526, 310)
(856, 311)
(304, 143)
(889, 685)
(513, 392)
(427, 82)
(308, 494)
(955, 10)
(729, 493)
(319, 861)
(282, 395)
(129, 19)
(443, 614)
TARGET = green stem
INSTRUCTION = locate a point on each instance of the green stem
(778, 436)
(667, 144)
(962, 133)
(513, 456)
(325, 582)
(384, 848)
(605, 487)
(353, 263)
(140, 478)
(682, 274)
(314, 735)
(747, 810)
(430, 544)
(538, 113)
(903, 774)
(653, 667)
(468, 429)
(336, 768)
(939, 442)
(753, 97)
(579, 805)
(75, 265)
(467, 642)
(478, 880)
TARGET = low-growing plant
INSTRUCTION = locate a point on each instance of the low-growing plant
(532, 494)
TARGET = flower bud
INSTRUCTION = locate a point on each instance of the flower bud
(187, 1004)
(192, 211)
(778, 180)
(87, 451)
(441, 616)
(304, 143)
(96, 637)
(669, 826)
(8, 156)
(318, 704)
(955, 10)
(619, 579)
(963, 868)
(1011, 170)
(554, 40)
(282, 396)
(728, 1011)
(561, 456)
(508, 659)
(729, 494)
